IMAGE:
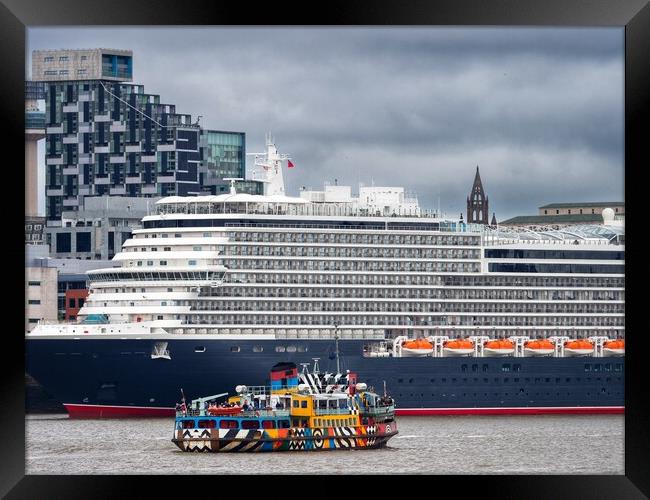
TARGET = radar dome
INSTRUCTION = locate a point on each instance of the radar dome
(608, 214)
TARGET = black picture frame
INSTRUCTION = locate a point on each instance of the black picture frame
(15, 15)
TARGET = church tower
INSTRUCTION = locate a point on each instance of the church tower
(477, 203)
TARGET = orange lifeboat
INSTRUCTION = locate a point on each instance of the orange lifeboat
(221, 411)
(458, 347)
(541, 347)
(578, 347)
(417, 347)
(614, 347)
(499, 347)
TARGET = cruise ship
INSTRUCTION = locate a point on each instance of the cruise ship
(452, 318)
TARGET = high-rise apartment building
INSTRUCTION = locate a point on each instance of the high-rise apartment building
(105, 136)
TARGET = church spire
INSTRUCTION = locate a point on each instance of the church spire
(477, 202)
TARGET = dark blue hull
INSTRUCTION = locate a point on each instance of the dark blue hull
(122, 373)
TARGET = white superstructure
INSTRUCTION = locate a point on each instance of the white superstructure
(376, 266)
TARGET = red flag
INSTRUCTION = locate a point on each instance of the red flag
(289, 164)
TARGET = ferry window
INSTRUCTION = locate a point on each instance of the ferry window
(303, 404)
(279, 348)
(433, 380)
(250, 424)
(191, 263)
(207, 424)
(150, 262)
(257, 348)
(444, 380)
(505, 368)
(463, 368)
(618, 367)
(235, 348)
(199, 348)
(597, 367)
(167, 249)
(188, 424)
(165, 235)
(516, 368)
(228, 424)
(268, 424)
(587, 367)
(177, 235)
(475, 368)
(291, 348)
(296, 403)
(206, 235)
(283, 424)
(485, 368)
(411, 380)
(302, 348)
(400, 380)
(608, 367)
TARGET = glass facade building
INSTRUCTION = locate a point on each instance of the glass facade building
(223, 155)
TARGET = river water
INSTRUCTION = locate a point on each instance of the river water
(554, 444)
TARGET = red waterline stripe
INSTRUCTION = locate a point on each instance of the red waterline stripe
(103, 411)
(536, 410)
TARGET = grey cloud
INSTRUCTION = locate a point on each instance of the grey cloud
(539, 109)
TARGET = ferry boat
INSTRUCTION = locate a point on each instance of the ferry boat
(219, 288)
(307, 412)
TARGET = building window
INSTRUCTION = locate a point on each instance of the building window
(191, 263)
(81, 71)
(63, 72)
(581, 211)
(83, 58)
(33, 320)
(50, 72)
(545, 212)
(569, 210)
(63, 58)
(49, 59)
(34, 302)
(72, 303)
(34, 283)
(557, 211)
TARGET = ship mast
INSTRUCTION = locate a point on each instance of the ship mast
(336, 352)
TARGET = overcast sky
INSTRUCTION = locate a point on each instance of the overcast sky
(539, 110)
